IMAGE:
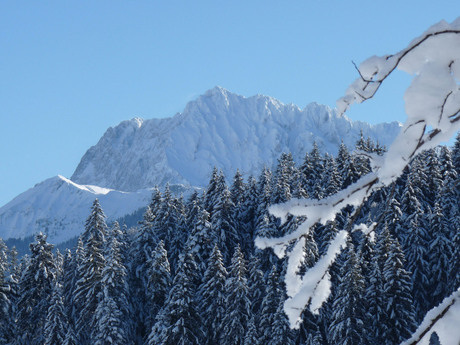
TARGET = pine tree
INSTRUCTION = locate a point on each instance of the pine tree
(456, 154)
(376, 314)
(237, 302)
(5, 302)
(348, 305)
(35, 288)
(266, 257)
(282, 334)
(89, 284)
(264, 191)
(56, 321)
(212, 301)
(193, 209)
(238, 189)
(202, 240)
(440, 258)
(141, 252)
(333, 179)
(284, 177)
(400, 321)
(269, 306)
(256, 285)
(224, 225)
(108, 325)
(450, 192)
(248, 216)
(112, 313)
(252, 336)
(433, 176)
(179, 321)
(417, 264)
(158, 283)
(213, 191)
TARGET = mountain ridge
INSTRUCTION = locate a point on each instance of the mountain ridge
(218, 129)
(221, 129)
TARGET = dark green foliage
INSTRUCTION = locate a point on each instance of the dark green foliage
(237, 303)
(89, 283)
(115, 286)
(349, 304)
(213, 294)
(179, 322)
(35, 292)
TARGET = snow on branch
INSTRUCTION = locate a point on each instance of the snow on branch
(443, 320)
(432, 105)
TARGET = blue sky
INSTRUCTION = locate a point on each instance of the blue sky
(71, 69)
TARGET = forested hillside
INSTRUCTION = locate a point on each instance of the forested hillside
(189, 273)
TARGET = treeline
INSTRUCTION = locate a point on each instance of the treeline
(190, 274)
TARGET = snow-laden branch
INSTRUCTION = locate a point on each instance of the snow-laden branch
(443, 320)
(432, 104)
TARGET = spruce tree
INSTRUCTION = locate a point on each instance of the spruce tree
(141, 252)
(433, 176)
(376, 313)
(224, 227)
(89, 284)
(56, 321)
(202, 239)
(400, 321)
(252, 336)
(456, 154)
(111, 317)
(212, 298)
(238, 309)
(440, 257)
(256, 285)
(158, 283)
(179, 321)
(269, 306)
(284, 177)
(417, 264)
(5, 302)
(282, 334)
(213, 191)
(248, 216)
(349, 304)
(35, 289)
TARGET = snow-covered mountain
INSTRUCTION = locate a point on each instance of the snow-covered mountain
(59, 208)
(219, 129)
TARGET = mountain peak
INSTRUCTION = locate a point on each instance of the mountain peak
(216, 90)
(221, 129)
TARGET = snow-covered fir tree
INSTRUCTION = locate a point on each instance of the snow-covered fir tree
(237, 304)
(35, 292)
(212, 298)
(179, 321)
(89, 284)
(349, 304)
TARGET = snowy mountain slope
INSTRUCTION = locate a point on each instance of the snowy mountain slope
(59, 208)
(218, 129)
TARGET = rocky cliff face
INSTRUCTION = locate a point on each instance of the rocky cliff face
(219, 129)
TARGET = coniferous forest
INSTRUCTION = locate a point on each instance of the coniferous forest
(189, 273)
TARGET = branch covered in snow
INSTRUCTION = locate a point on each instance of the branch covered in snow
(432, 104)
(443, 320)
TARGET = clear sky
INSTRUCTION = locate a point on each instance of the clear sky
(71, 69)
